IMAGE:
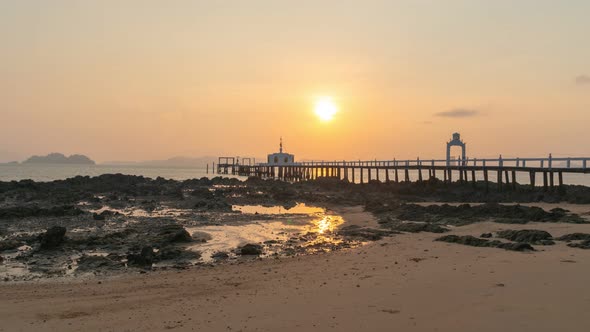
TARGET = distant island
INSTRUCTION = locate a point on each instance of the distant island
(58, 158)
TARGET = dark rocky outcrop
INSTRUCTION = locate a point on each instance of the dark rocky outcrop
(486, 235)
(531, 236)
(467, 214)
(36, 211)
(359, 233)
(220, 255)
(144, 259)
(415, 227)
(582, 245)
(473, 241)
(53, 237)
(174, 233)
(88, 263)
(574, 237)
(250, 249)
(10, 244)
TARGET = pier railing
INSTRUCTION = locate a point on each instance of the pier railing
(537, 163)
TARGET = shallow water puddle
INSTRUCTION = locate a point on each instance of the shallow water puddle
(300, 208)
(306, 230)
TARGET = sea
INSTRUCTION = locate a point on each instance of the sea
(51, 172)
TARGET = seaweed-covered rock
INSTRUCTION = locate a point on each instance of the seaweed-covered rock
(36, 211)
(172, 253)
(520, 246)
(88, 263)
(10, 244)
(363, 233)
(473, 241)
(220, 255)
(467, 240)
(582, 245)
(527, 236)
(144, 259)
(486, 235)
(574, 237)
(414, 227)
(174, 233)
(53, 237)
(251, 249)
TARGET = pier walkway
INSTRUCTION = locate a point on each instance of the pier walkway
(504, 170)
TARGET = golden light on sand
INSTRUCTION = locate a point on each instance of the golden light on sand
(325, 108)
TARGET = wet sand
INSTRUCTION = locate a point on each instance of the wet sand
(406, 282)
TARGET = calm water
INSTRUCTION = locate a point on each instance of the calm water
(60, 172)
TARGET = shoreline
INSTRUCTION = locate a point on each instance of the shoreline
(406, 281)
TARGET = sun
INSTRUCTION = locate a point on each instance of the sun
(325, 108)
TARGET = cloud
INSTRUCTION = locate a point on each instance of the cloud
(582, 80)
(458, 113)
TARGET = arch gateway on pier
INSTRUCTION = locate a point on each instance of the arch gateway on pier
(456, 141)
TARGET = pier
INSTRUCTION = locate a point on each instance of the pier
(504, 171)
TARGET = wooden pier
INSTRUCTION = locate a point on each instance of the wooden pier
(502, 170)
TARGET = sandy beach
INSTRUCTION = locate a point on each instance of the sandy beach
(405, 282)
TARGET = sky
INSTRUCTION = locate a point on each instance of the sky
(144, 80)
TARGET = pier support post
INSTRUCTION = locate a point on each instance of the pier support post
(396, 176)
(473, 182)
(407, 174)
(545, 181)
(551, 180)
(499, 179)
(377, 172)
(560, 174)
(387, 175)
(362, 171)
(368, 174)
(513, 180)
(532, 179)
(419, 174)
(486, 179)
(353, 181)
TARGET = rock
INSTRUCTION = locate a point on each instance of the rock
(582, 245)
(220, 255)
(88, 263)
(469, 240)
(414, 227)
(1, 260)
(10, 244)
(104, 215)
(574, 237)
(35, 211)
(363, 233)
(527, 236)
(53, 237)
(201, 237)
(486, 235)
(171, 253)
(174, 233)
(516, 246)
(251, 249)
(144, 259)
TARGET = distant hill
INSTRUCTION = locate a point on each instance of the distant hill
(58, 158)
